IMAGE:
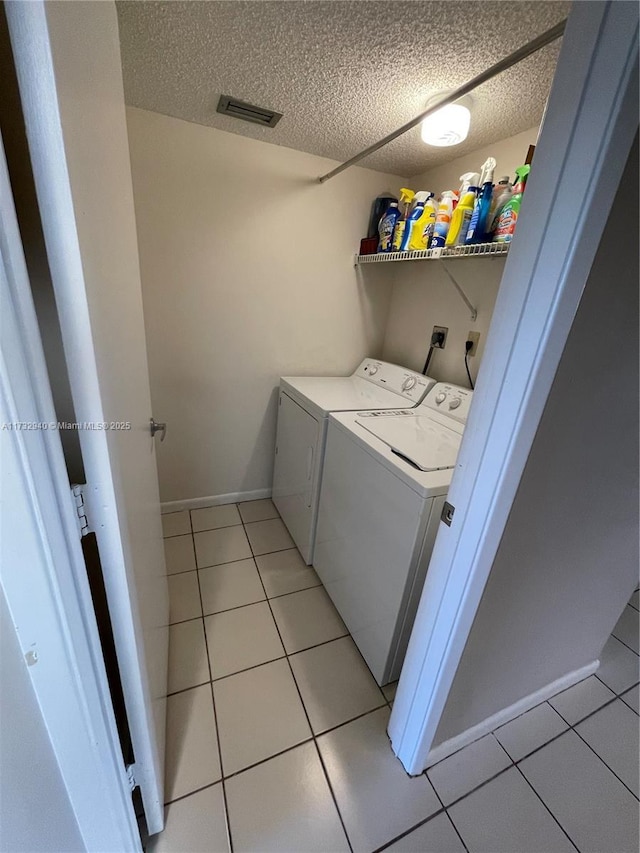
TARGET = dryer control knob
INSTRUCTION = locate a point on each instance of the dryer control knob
(455, 403)
(373, 368)
(440, 398)
(409, 383)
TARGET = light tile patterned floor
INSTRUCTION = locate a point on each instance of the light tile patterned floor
(276, 730)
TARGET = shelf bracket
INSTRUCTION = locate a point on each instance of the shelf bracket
(463, 295)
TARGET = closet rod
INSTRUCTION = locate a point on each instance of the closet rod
(517, 56)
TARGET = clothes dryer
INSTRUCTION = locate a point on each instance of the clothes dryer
(386, 477)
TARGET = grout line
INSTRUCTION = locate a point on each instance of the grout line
(215, 715)
(477, 788)
(455, 829)
(264, 760)
(518, 770)
(572, 728)
(304, 708)
(264, 663)
(313, 738)
(615, 636)
(195, 791)
(184, 689)
(404, 834)
(599, 757)
(450, 819)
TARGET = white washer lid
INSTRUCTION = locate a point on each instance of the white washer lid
(420, 439)
(343, 393)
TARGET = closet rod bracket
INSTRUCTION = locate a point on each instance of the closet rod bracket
(463, 295)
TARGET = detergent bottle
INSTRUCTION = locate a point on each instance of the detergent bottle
(406, 197)
(386, 228)
(422, 228)
(443, 219)
(464, 211)
(508, 218)
(478, 226)
(378, 209)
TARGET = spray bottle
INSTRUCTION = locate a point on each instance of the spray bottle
(501, 195)
(478, 225)
(443, 219)
(412, 219)
(508, 218)
(423, 227)
(406, 197)
(464, 211)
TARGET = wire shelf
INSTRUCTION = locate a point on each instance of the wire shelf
(479, 250)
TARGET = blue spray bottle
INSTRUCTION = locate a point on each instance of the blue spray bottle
(479, 225)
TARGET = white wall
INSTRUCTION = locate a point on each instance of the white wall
(247, 275)
(424, 297)
(568, 560)
(35, 812)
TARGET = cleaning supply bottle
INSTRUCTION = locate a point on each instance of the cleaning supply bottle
(464, 211)
(508, 218)
(416, 212)
(387, 227)
(406, 197)
(443, 219)
(422, 228)
(501, 195)
(378, 210)
(479, 223)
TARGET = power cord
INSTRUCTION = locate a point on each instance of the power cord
(467, 347)
(437, 339)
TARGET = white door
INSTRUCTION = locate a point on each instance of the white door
(68, 63)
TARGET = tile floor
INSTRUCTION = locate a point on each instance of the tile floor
(276, 730)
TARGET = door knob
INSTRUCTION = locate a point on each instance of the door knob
(155, 427)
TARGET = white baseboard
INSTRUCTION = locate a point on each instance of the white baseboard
(215, 500)
(447, 748)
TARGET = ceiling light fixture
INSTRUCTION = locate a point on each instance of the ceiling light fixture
(448, 126)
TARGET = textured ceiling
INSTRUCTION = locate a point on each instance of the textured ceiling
(343, 73)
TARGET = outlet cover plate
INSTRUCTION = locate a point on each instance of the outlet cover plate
(445, 332)
(474, 337)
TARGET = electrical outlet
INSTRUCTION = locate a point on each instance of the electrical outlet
(443, 330)
(474, 337)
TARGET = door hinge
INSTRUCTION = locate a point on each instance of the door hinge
(447, 513)
(78, 495)
(131, 775)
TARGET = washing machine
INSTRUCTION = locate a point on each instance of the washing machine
(304, 404)
(386, 477)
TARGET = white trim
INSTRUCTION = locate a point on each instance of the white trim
(215, 500)
(591, 120)
(448, 747)
(43, 573)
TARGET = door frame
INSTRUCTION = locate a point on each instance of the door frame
(49, 598)
(588, 130)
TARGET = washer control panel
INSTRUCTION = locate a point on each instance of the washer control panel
(451, 400)
(411, 385)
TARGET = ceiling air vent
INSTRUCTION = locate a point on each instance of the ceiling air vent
(247, 112)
